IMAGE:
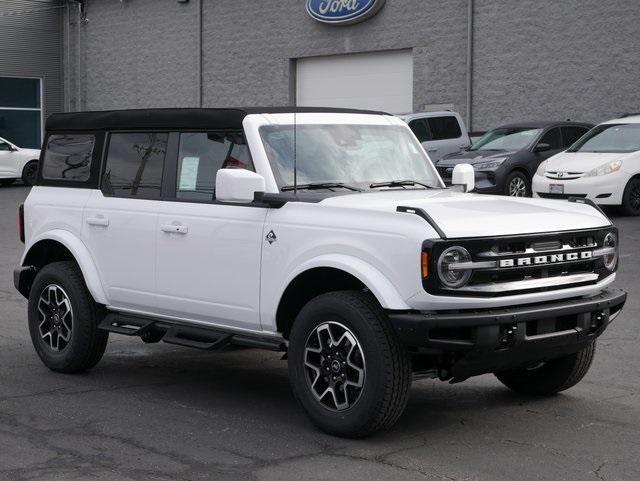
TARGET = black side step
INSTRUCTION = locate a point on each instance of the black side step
(127, 325)
(183, 334)
(208, 340)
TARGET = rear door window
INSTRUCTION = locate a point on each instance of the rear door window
(67, 157)
(571, 134)
(420, 129)
(201, 155)
(446, 127)
(135, 163)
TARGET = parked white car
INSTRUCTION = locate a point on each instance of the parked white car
(440, 133)
(17, 163)
(323, 233)
(602, 166)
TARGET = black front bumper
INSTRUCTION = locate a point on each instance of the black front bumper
(487, 340)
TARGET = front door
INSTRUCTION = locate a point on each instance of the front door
(208, 253)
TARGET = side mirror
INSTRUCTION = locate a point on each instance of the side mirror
(464, 175)
(238, 185)
(542, 147)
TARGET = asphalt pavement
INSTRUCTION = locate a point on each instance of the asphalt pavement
(162, 412)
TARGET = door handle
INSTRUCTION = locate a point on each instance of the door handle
(174, 228)
(432, 150)
(99, 221)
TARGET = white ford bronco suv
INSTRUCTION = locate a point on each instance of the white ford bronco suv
(323, 233)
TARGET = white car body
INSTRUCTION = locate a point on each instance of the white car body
(13, 159)
(567, 171)
(361, 234)
(438, 148)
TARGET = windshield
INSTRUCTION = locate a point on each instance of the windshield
(356, 155)
(610, 138)
(506, 139)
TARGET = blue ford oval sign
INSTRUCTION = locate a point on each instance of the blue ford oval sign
(343, 12)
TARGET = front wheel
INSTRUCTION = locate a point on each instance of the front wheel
(517, 185)
(347, 368)
(631, 197)
(552, 376)
(29, 172)
(63, 320)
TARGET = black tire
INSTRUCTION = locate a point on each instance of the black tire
(86, 344)
(552, 376)
(6, 182)
(386, 377)
(631, 197)
(29, 173)
(517, 185)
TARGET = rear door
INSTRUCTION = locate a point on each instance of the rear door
(448, 136)
(120, 220)
(208, 253)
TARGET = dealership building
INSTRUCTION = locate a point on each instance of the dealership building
(494, 61)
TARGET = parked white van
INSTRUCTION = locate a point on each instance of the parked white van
(602, 166)
(440, 133)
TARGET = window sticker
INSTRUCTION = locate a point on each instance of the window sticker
(189, 173)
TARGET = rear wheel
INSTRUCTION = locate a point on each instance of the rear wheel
(29, 172)
(631, 197)
(63, 320)
(517, 185)
(6, 182)
(347, 368)
(552, 376)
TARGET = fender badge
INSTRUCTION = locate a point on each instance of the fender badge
(271, 237)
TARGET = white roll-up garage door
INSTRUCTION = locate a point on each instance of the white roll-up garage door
(377, 81)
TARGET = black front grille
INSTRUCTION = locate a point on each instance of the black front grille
(520, 267)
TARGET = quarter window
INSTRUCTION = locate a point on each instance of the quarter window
(444, 128)
(200, 157)
(135, 162)
(68, 157)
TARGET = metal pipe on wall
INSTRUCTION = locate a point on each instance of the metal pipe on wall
(469, 112)
(78, 60)
(199, 63)
(67, 59)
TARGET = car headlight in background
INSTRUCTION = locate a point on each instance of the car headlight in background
(605, 169)
(449, 274)
(542, 168)
(489, 164)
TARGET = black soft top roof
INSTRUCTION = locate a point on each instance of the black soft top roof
(168, 119)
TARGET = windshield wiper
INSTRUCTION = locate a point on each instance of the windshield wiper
(400, 183)
(320, 185)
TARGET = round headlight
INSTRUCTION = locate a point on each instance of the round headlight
(610, 260)
(449, 275)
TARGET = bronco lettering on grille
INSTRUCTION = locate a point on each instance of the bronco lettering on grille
(546, 259)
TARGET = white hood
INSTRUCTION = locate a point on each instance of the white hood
(474, 215)
(581, 161)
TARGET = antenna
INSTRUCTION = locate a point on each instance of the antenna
(295, 154)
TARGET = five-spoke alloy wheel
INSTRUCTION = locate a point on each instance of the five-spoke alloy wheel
(335, 366)
(56, 316)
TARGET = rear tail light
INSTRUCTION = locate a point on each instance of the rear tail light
(21, 222)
